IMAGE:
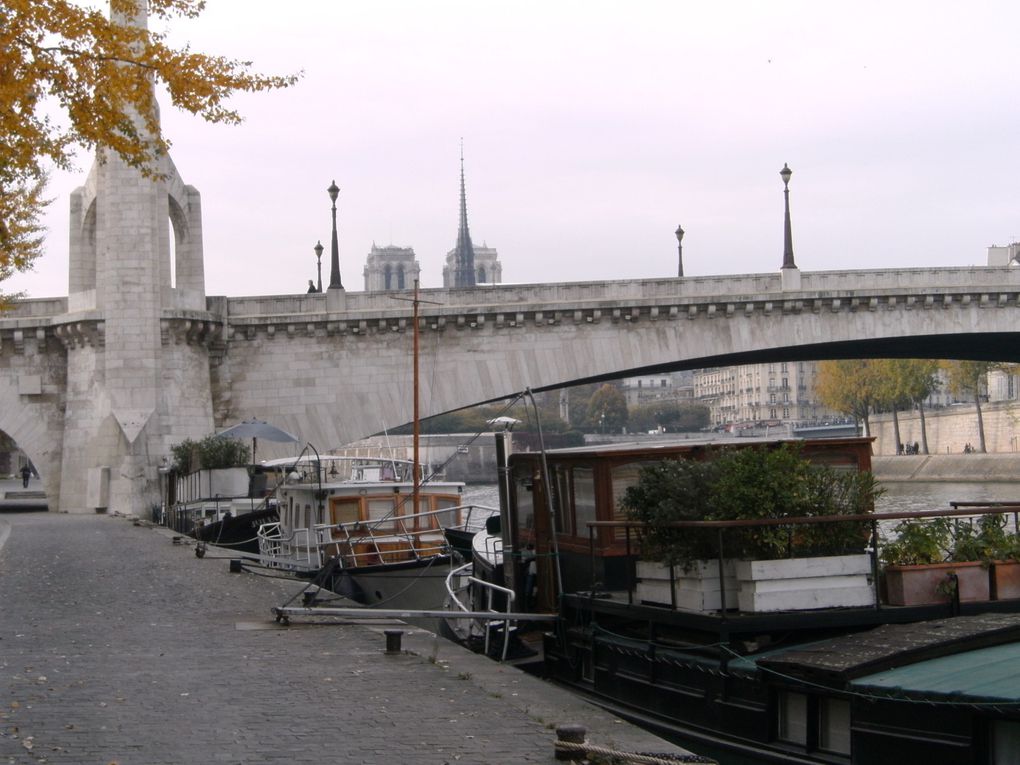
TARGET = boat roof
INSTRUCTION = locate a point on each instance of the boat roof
(305, 459)
(984, 674)
(690, 444)
(935, 657)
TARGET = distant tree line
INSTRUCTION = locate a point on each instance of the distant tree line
(862, 387)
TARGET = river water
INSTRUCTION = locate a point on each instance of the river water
(898, 497)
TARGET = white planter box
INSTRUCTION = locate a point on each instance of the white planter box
(696, 589)
(210, 484)
(798, 584)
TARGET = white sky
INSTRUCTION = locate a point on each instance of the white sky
(591, 129)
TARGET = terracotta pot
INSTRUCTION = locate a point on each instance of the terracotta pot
(1005, 579)
(924, 584)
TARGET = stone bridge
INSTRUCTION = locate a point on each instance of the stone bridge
(333, 367)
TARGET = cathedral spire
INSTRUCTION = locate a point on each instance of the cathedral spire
(464, 259)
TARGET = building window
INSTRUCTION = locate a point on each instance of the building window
(387, 278)
(786, 413)
(400, 277)
(481, 275)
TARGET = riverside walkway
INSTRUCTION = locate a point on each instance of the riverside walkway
(118, 646)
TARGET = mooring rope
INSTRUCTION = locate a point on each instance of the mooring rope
(643, 758)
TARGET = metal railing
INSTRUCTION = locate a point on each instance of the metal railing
(964, 511)
(489, 590)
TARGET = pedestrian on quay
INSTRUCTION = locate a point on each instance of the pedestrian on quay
(26, 473)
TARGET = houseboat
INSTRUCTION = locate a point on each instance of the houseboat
(224, 507)
(352, 526)
(745, 665)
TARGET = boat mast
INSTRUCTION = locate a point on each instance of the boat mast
(417, 426)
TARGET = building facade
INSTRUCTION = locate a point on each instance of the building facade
(777, 393)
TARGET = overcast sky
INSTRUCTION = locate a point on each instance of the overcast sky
(591, 129)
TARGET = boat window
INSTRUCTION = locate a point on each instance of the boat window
(623, 477)
(344, 510)
(561, 500)
(525, 499)
(584, 500)
(1005, 742)
(380, 508)
(449, 518)
(834, 726)
(792, 726)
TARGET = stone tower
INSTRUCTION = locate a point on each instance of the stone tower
(137, 361)
(464, 253)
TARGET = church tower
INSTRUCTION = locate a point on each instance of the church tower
(464, 253)
(137, 361)
(468, 265)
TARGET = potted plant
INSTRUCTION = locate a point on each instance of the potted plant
(679, 567)
(988, 540)
(929, 560)
(212, 467)
(788, 567)
(773, 567)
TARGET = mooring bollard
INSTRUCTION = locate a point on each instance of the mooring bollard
(393, 641)
(570, 742)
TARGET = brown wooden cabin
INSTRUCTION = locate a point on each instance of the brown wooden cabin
(380, 525)
(587, 485)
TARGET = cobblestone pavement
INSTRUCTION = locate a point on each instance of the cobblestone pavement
(117, 646)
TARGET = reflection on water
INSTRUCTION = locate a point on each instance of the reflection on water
(921, 495)
(898, 497)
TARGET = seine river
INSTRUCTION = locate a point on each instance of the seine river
(899, 496)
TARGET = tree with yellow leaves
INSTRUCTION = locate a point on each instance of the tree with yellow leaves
(98, 75)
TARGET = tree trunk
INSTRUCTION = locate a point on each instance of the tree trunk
(980, 420)
(924, 428)
(896, 431)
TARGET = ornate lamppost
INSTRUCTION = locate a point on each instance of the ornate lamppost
(785, 173)
(318, 263)
(680, 250)
(334, 264)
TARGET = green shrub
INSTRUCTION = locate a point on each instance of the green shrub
(211, 453)
(747, 484)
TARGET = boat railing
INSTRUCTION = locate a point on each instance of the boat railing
(460, 584)
(876, 524)
(472, 517)
(293, 551)
(391, 539)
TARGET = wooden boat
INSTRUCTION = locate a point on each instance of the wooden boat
(867, 683)
(351, 524)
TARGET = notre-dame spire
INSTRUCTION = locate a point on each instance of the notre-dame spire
(464, 258)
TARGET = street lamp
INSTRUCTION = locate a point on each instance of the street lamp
(785, 174)
(680, 250)
(318, 262)
(334, 264)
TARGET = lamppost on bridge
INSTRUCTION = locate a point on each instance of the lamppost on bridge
(785, 173)
(680, 250)
(318, 263)
(334, 265)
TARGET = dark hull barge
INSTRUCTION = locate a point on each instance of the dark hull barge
(775, 674)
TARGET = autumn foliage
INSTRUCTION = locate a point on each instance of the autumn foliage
(71, 78)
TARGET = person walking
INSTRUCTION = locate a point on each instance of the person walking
(26, 473)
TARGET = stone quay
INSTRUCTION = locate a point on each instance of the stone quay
(119, 646)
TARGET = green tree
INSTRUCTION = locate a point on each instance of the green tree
(918, 380)
(674, 417)
(849, 386)
(607, 410)
(970, 378)
(101, 74)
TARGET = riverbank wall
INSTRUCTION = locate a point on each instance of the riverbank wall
(948, 468)
(950, 429)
